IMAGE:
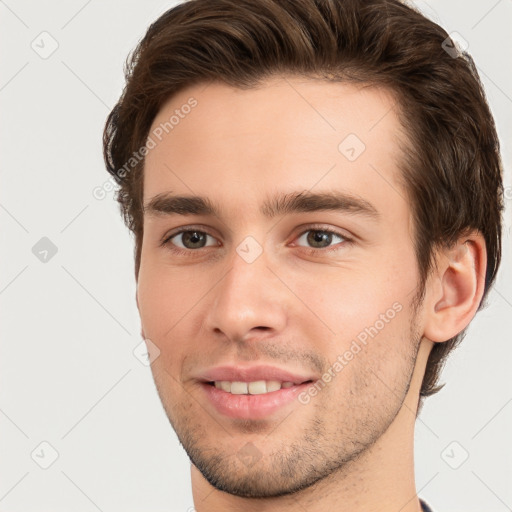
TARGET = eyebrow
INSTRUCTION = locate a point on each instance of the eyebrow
(281, 204)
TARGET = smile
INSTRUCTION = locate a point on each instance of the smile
(258, 387)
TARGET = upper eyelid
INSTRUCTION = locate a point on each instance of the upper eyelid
(326, 230)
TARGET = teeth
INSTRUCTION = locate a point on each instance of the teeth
(239, 388)
(273, 385)
(259, 387)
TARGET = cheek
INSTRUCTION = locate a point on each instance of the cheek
(164, 298)
(167, 301)
(351, 301)
(372, 363)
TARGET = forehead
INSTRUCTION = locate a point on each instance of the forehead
(288, 134)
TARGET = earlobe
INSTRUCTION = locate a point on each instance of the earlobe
(457, 288)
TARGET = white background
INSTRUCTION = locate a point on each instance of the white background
(68, 376)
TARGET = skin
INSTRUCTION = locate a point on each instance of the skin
(350, 448)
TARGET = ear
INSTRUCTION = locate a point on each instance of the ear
(455, 288)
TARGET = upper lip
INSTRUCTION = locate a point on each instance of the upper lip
(251, 374)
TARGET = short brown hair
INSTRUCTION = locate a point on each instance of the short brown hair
(451, 171)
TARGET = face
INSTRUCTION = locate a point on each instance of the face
(277, 278)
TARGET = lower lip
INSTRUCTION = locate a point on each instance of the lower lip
(252, 406)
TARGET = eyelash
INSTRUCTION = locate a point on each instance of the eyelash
(166, 242)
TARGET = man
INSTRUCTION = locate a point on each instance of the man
(315, 190)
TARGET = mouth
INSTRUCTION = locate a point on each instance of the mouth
(257, 387)
(252, 392)
(254, 400)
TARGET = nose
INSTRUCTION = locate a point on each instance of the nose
(248, 301)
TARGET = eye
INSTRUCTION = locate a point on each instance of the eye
(190, 239)
(321, 238)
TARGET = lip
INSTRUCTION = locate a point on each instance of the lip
(252, 406)
(252, 374)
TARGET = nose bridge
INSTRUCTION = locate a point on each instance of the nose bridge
(249, 296)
